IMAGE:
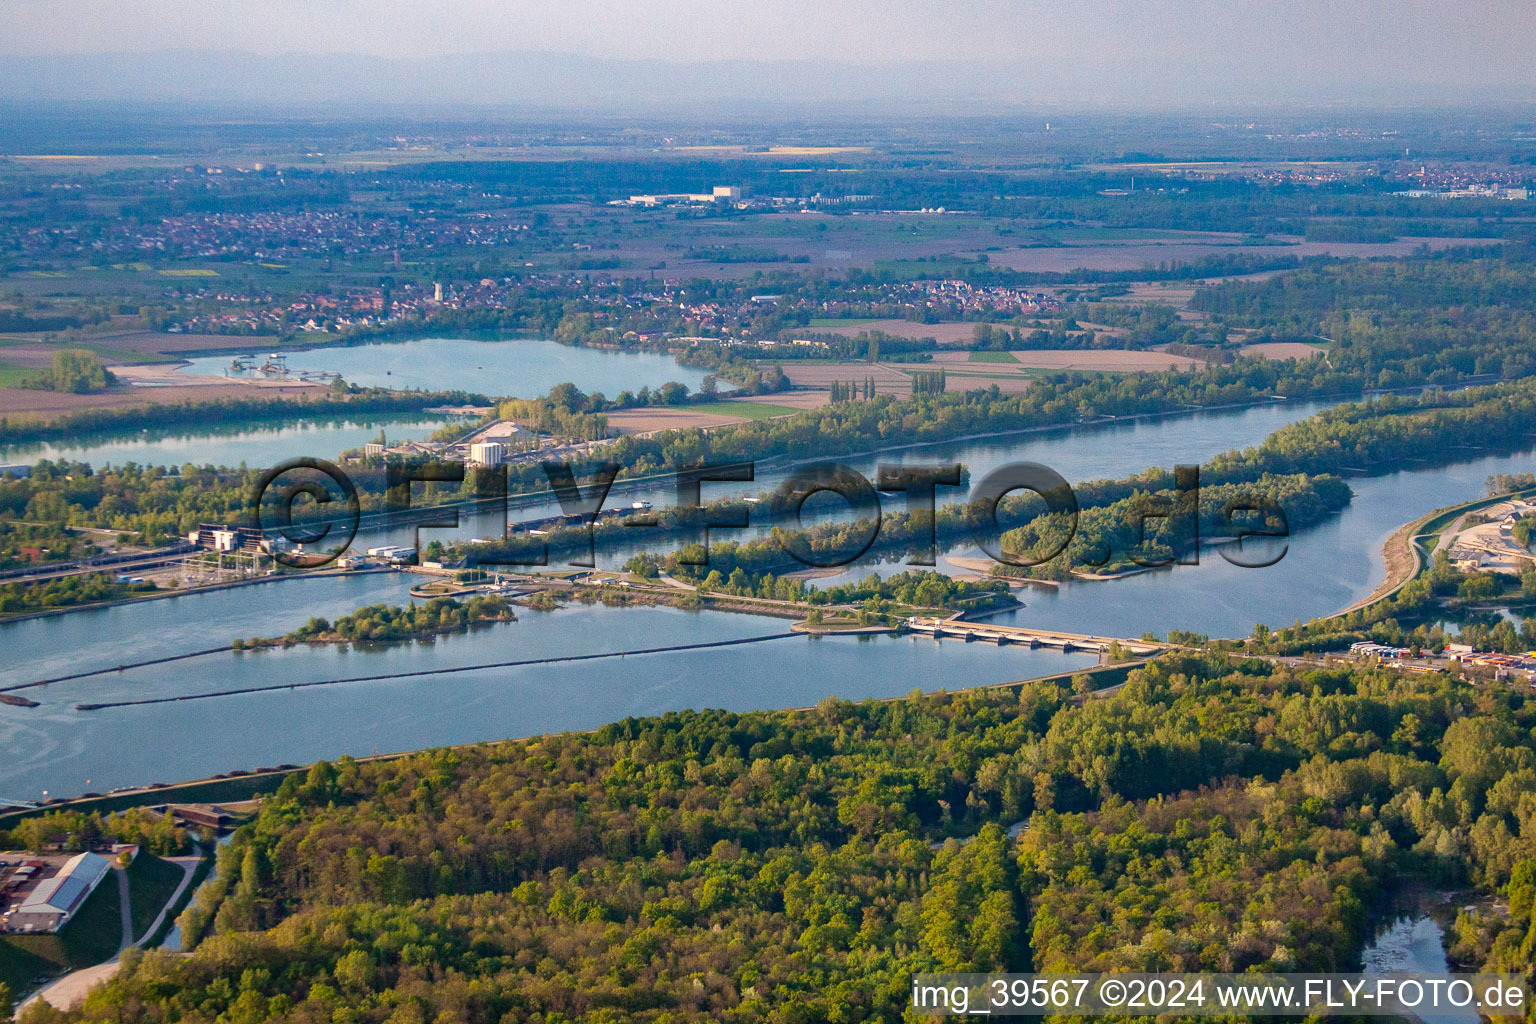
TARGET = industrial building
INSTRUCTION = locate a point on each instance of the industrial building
(393, 553)
(720, 194)
(54, 903)
(487, 453)
(218, 537)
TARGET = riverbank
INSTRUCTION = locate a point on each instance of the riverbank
(1405, 554)
(539, 593)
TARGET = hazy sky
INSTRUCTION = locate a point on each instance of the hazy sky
(1467, 38)
(1465, 45)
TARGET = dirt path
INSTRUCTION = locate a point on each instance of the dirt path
(70, 991)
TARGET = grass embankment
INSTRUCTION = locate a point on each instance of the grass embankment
(199, 876)
(150, 884)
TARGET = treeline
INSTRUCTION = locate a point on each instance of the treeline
(158, 504)
(1291, 472)
(1436, 318)
(74, 831)
(66, 592)
(74, 371)
(23, 543)
(914, 588)
(1416, 617)
(155, 504)
(1109, 535)
(1058, 400)
(1392, 431)
(1287, 482)
(735, 366)
(1155, 528)
(789, 866)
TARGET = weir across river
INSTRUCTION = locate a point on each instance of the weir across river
(989, 633)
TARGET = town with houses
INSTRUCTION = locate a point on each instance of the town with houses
(211, 310)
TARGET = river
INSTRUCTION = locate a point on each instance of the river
(1096, 451)
(57, 748)
(1411, 940)
(516, 368)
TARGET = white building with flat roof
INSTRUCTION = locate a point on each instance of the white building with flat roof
(487, 453)
(56, 901)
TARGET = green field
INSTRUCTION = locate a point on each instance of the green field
(749, 410)
(13, 376)
(837, 321)
(107, 354)
(993, 357)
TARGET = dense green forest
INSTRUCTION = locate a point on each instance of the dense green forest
(914, 588)
(1435, 318)
(159, 834)
(75, 371)
(798, 866)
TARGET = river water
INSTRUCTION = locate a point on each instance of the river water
(1093, 452)
(1412, 941)
(57, 748)
(516, 368)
